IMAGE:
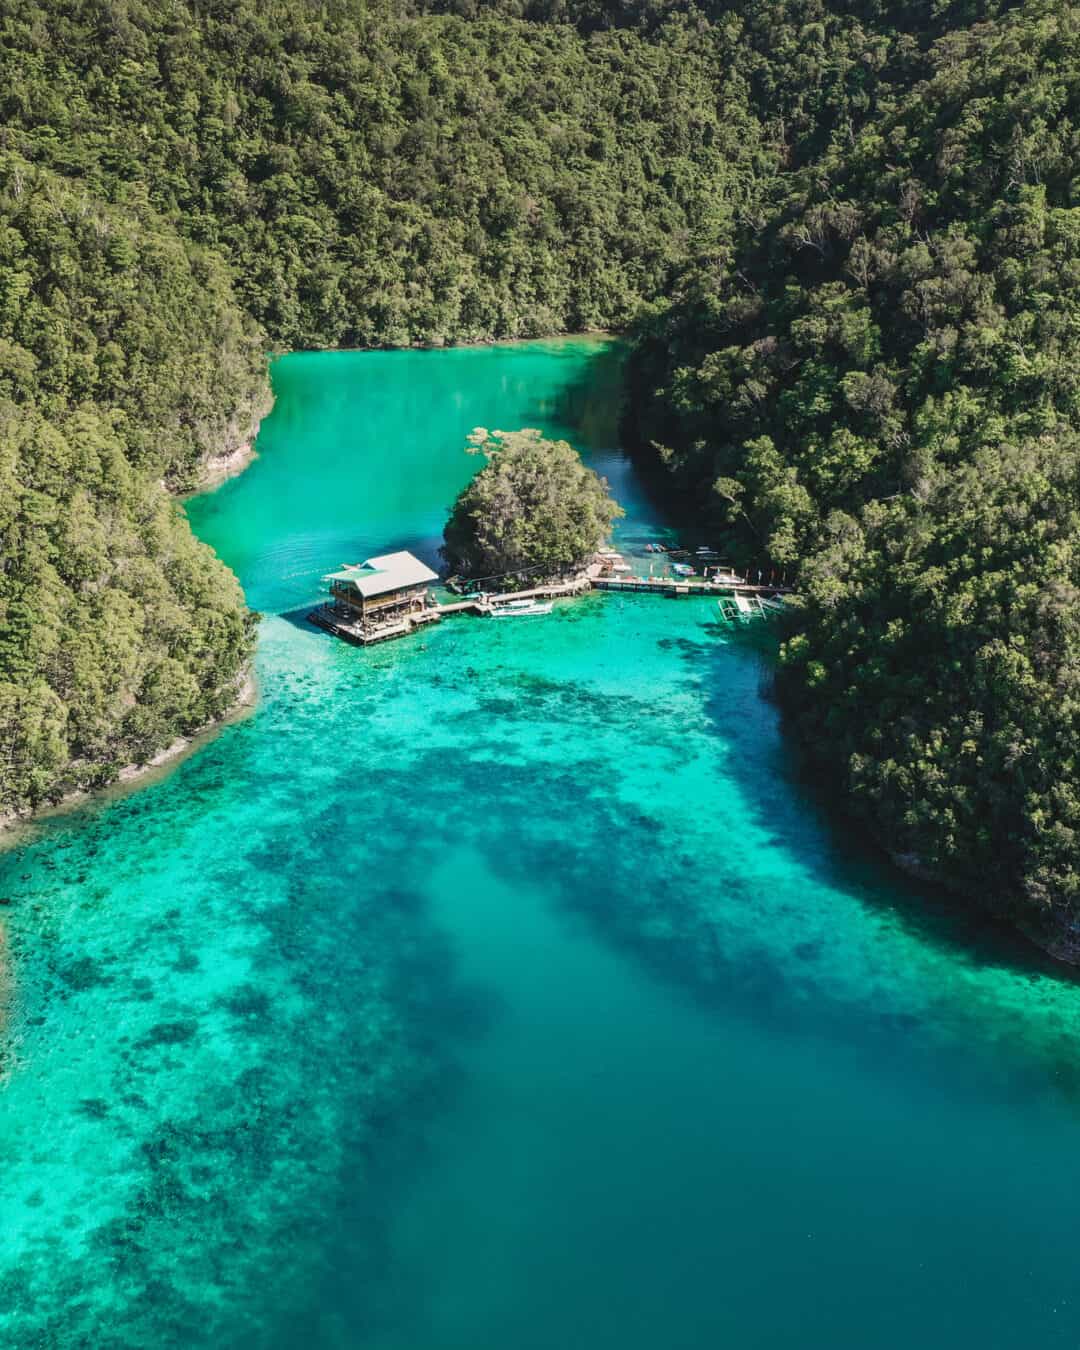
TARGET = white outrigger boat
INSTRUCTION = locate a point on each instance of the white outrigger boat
(738, 607)
(521, 609)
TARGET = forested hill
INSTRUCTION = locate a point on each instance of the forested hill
(841, 233)
(375, 177)
(881, 388)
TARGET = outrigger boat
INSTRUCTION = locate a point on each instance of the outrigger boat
(738, 608)
(521, 609)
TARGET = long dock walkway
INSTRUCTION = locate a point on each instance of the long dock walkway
(486, 602)
(598, 577)
(688, 586)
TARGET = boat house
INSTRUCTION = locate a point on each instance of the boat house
(384, 594)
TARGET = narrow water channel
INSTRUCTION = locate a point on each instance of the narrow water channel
(502, 987)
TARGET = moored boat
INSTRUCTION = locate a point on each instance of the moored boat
(741, 608)
(520, 609)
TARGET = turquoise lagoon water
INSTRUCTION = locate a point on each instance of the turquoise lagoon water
(503, 987)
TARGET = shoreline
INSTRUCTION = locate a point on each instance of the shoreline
(220, 468)
(583, 334)
(1058, 943)
(15, 825)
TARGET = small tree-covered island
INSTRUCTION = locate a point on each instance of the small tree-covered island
(534, 508)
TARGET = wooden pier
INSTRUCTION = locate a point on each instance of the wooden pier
(574, 586)
(345, 622)
(687, 586)
(328, 617)
(486, 603)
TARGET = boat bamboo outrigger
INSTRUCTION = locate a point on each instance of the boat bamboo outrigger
(739, 608)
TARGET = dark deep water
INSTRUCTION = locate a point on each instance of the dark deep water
(499, 988)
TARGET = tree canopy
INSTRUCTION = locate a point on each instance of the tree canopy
(879, 386)
(533, 507)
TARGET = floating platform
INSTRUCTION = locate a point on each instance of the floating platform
(365, 635)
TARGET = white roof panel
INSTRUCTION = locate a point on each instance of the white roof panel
(388, 572)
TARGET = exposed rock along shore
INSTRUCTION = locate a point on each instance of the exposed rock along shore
(218, 469)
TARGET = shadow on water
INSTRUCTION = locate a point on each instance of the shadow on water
(785, 796)
(592, 402)
(298, 618)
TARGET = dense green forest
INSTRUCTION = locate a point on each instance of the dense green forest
(881, 388)
(844, 236)
(377, 177)
(123, 361)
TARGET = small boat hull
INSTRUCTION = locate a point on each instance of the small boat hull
(519, 611)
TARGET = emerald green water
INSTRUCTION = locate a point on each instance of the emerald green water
(502, 987)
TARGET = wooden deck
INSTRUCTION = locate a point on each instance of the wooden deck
(462, 607)
(487, 603)
(325, 616)
(575, 586)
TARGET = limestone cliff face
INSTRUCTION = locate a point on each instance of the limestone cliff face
(236, 449)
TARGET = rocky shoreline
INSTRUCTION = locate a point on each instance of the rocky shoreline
(132, 776)
(220, 468)
(229, 463)
(1060, 942)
